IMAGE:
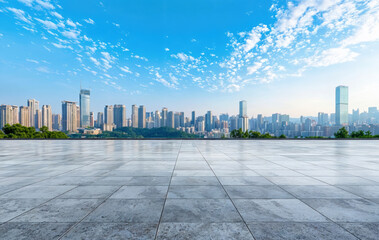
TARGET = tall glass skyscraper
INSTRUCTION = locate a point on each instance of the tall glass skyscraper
(342, 100)
(84, 102)
(243, 108)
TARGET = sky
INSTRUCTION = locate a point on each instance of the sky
(280, 56)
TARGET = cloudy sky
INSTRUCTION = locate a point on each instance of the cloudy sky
(280, 56)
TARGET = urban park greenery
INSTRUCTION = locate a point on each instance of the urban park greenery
(343, 133)
(238, 133)
(22, 132)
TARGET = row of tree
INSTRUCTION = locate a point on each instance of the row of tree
(129, 132)
(19, 131)
(343, 133)
(238, 133)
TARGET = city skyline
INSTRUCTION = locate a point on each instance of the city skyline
(101, 47)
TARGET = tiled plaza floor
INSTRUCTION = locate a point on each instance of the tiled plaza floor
(189, 189)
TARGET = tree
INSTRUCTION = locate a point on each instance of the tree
(19, 131)
(282, 136)
(2, 135)
(254, 134)
(342, 133)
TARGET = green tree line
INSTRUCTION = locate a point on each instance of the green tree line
(19, 131)
(343, 133)
(238, 133)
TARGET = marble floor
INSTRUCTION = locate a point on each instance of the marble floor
(177, 189)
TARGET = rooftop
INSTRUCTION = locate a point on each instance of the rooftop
(177, 189)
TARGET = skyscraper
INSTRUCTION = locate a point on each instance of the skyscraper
(33, 107)
(170, 119)
(16, 117)
(157, 119)
(164, 117)
(24, 116)
(119, 115)
(243, 108)
(91, 120)
(141, 117)
(6, 115)
(84, 102)
(134, 116)
(356, 116)
(208, 121)
(181, 119)
(57, 121)
(47, 117)
(193, 119)
(342, 99)
(108, 114)
(69, 116)
(100, 119)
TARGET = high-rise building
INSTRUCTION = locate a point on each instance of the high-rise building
(100, 119)
(259, 121)
(16, 117)
(208, 121)
(342, 99)
(134, 116)
(275, 118)
(243, 108)
(181, 119)
(119, 115)
(57, 122)
(47, 117)
(6, 115)
(69, 116)
(356, 116)
(233, 123)
(243, 123)
(24, 116)
(224, 117)
(193, 119)
(38, 120)
(141, 117)
(164, 117)
(108, 114)
(91, 120)
(33, 107)
(84, 103)
(157, 119)
(170, 119)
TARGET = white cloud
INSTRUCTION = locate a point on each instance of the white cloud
(20, 14)
(167, 49)
(73, 34)
(43, 69)
(45, 4)
(32, 61)
(47, 24)
(125, 69)
(70, 23)
(58, 45)
(116, 24)
(27, 2)
(57, 15)
(89, 21)
(331, 56)
(94, 60)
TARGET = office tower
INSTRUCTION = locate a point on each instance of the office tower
(181, 119)
(15, 111)
(129, 122)
(69, 116)
(259, 121)
(119, 116)
(38, 120)
(84, 103)
(356, 116)
(170, 119)
(141, 117)
(157, 119)
(372, 110)
(57, 122)
(176, 120)
(47, 117)
(275, 118)
(193, 119)
(284, 118)
(201, 126)
(108, 114)
(91, 120)
(208, 121)
(224, 117)
(24, 116)
(6, 115)
(342, 98)
(243, 123)
(322, 118)
(100, 119)
(243, 108)
(134, 116)
(33, 107)
(233, 123)
(333, 118)
(164, 117)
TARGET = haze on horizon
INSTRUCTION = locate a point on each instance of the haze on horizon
(279, 56)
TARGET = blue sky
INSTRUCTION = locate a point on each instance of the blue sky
(280, 56)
